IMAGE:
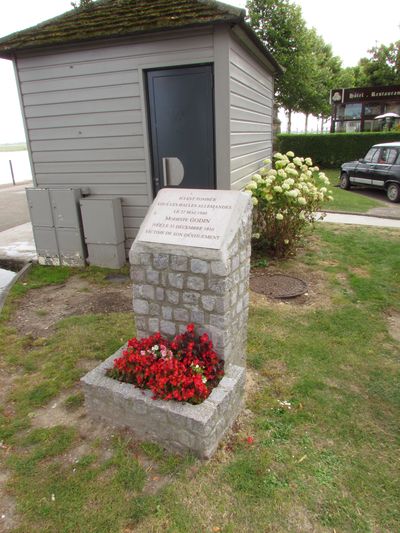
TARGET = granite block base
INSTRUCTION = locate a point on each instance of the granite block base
(177, 426)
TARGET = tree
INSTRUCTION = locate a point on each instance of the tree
(322, 69)
(381, 68)
(83, 4)
(310, 66)
(346, 78)
(280, 25)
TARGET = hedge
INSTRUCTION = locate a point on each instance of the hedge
(330, 150)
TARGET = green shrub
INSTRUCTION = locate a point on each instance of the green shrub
(286, 199)
(330, 150)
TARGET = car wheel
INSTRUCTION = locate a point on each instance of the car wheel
(393, 192)
(344, 181)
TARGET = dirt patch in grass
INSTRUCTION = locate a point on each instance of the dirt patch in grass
(393, 320)
(360, 272)
(8, 517)
(252, 382)
(6, 383)
(299, 519)
(40, 309)
(87, 364)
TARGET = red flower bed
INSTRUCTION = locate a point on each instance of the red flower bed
(185, 369)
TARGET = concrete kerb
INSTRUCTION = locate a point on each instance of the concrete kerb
(19, 275)
(177, 426)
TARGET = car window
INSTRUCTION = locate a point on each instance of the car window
(372, 155)
(391, 156)
(388, 156)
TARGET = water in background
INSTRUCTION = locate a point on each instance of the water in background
(21, 167)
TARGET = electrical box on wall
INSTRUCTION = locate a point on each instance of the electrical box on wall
(57, 226)
(104, 231)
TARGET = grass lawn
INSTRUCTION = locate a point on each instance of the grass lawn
(348, 201)
(323, 409)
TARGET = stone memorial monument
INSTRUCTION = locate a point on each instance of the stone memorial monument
(190, 263)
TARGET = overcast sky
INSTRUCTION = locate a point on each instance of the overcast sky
(350, 26)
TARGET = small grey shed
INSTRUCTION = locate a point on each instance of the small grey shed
(123, 97)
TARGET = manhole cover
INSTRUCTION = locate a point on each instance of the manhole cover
(278, 285)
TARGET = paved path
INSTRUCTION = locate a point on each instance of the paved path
(17, 243)
(392, 211)
(13, 206)
(361, 220)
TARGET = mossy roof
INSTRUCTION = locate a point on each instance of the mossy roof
(106, 19)
(117, 18)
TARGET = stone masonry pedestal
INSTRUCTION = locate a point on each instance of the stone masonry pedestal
(175, 284)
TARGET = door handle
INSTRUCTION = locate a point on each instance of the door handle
(173, 171)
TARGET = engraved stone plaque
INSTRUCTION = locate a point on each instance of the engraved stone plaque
(189, 217)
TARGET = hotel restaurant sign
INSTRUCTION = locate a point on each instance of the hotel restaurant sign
(362, 94)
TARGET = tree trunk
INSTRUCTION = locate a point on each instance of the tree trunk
(289, 122)
(306, 123)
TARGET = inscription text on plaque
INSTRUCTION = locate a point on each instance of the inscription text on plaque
(189, 217)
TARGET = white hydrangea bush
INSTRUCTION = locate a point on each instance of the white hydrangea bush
(286, 193)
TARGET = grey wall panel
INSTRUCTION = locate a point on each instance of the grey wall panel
(97, 143)
(244, 160)
(79, 82)
(87, 119)
(240, 88)
(244, 126)
(95, 106)
(242, 175)
(248, 137)
(135, 200)
(90, 166)
(241, 113)
(133, 222)
(84, 95)
(89, 178)
(240, 101)
(131, 233)
(249, 66)
(178, 57)
(246, 148)
(74, 68)
(139, 189)
(250, 157)
(251, 101)
(105, 154)
(75, 134)
(131, 211)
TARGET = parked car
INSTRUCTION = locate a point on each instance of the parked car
(380, 168)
